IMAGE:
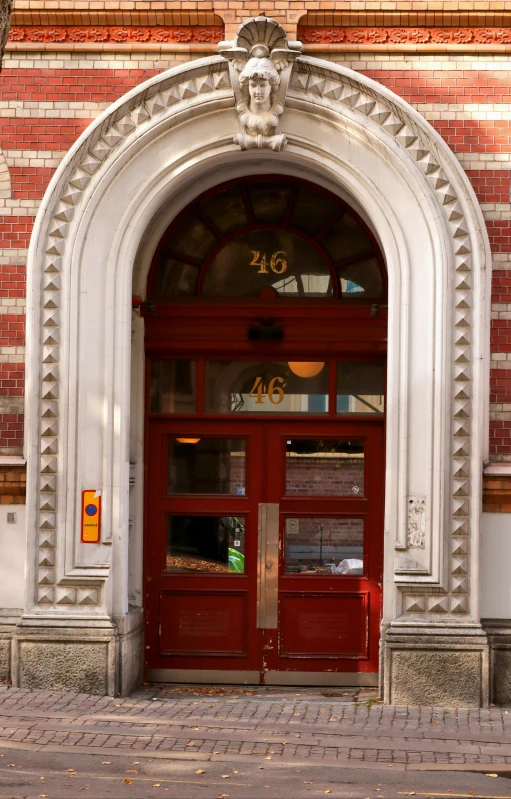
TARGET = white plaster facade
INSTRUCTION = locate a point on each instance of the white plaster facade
(115, 193)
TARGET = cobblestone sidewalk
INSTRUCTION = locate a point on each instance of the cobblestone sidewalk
(270, 724)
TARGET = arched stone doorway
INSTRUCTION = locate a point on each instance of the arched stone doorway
(116, 192)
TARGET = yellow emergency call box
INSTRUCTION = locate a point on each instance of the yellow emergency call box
(91, 516)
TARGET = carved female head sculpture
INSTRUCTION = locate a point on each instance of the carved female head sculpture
(258, 82)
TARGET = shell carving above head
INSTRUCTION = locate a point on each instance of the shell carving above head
(260, 61)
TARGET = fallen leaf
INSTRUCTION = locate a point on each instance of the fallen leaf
(222, 796)
(492, 775)
(156, 785)
(328, 790)
(70, 770)
(43, 796)
(225, 776)
(106, 762)
(216, 753)
(127, 781)
(41, 778)
(234, 771)
(200, 771)
(192, 743)
(131, 771)
(136, 762)
(436, 722)
(268, 758)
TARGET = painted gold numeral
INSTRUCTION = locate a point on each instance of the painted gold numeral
(260, 262)
(277, 262)
(257, 391)
(275, 391)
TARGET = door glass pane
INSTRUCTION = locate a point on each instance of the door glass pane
(324, 546)
(206, 465)
(360, 388)
(192, 238)
(173, 387)
(269, 201)
(225, 209)
(345, 239)
(260, 259)
(312, 210)
(212, 544)
(324, 468)
(265, 387)
(175, 278)
(361, 281)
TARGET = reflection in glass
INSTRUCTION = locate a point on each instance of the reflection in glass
(345, 239)
(226, 210)
(206, 466)
(263, 387)
(269, 201)
(262, 258)
(176, 279)
(324, 468)
(361, 280)
(312, 211)
(192, 238)
(360, 388)
(173, 387)
(212, 544)
(324, 546)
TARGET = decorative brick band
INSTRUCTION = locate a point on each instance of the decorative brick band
(453, 36)
(117, 34)
(496, 494)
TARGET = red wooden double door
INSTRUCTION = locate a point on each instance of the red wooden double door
(264, 550)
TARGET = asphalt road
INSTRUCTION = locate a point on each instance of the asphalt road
(33, 775)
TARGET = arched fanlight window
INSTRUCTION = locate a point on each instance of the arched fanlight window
(268, 236)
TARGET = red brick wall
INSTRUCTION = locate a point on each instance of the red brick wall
(49, 95)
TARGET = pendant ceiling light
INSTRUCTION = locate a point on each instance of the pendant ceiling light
(188, 440)
(306, 368)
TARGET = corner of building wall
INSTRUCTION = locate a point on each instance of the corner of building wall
(499, 639)
(130, 651)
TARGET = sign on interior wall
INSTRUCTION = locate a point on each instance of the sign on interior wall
(91, 516)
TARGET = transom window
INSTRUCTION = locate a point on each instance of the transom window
(268, 237)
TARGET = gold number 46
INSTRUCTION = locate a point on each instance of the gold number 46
(275, 392)
(277, 262)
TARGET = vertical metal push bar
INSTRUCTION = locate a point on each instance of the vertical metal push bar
(268, 566)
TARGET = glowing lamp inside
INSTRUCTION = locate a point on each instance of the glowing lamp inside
(306, 368)
(188, 440)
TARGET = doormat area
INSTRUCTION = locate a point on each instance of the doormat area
(161, 690)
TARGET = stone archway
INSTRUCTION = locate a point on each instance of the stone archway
(131, 171)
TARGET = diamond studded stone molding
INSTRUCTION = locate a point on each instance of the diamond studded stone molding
(420, 146)
(316, 84)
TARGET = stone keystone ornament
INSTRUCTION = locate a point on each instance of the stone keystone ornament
(260, 62)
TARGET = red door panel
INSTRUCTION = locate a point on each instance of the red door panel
(324, 626)
(206, 623)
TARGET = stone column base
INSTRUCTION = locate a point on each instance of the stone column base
(443, 667)
(95, 657)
